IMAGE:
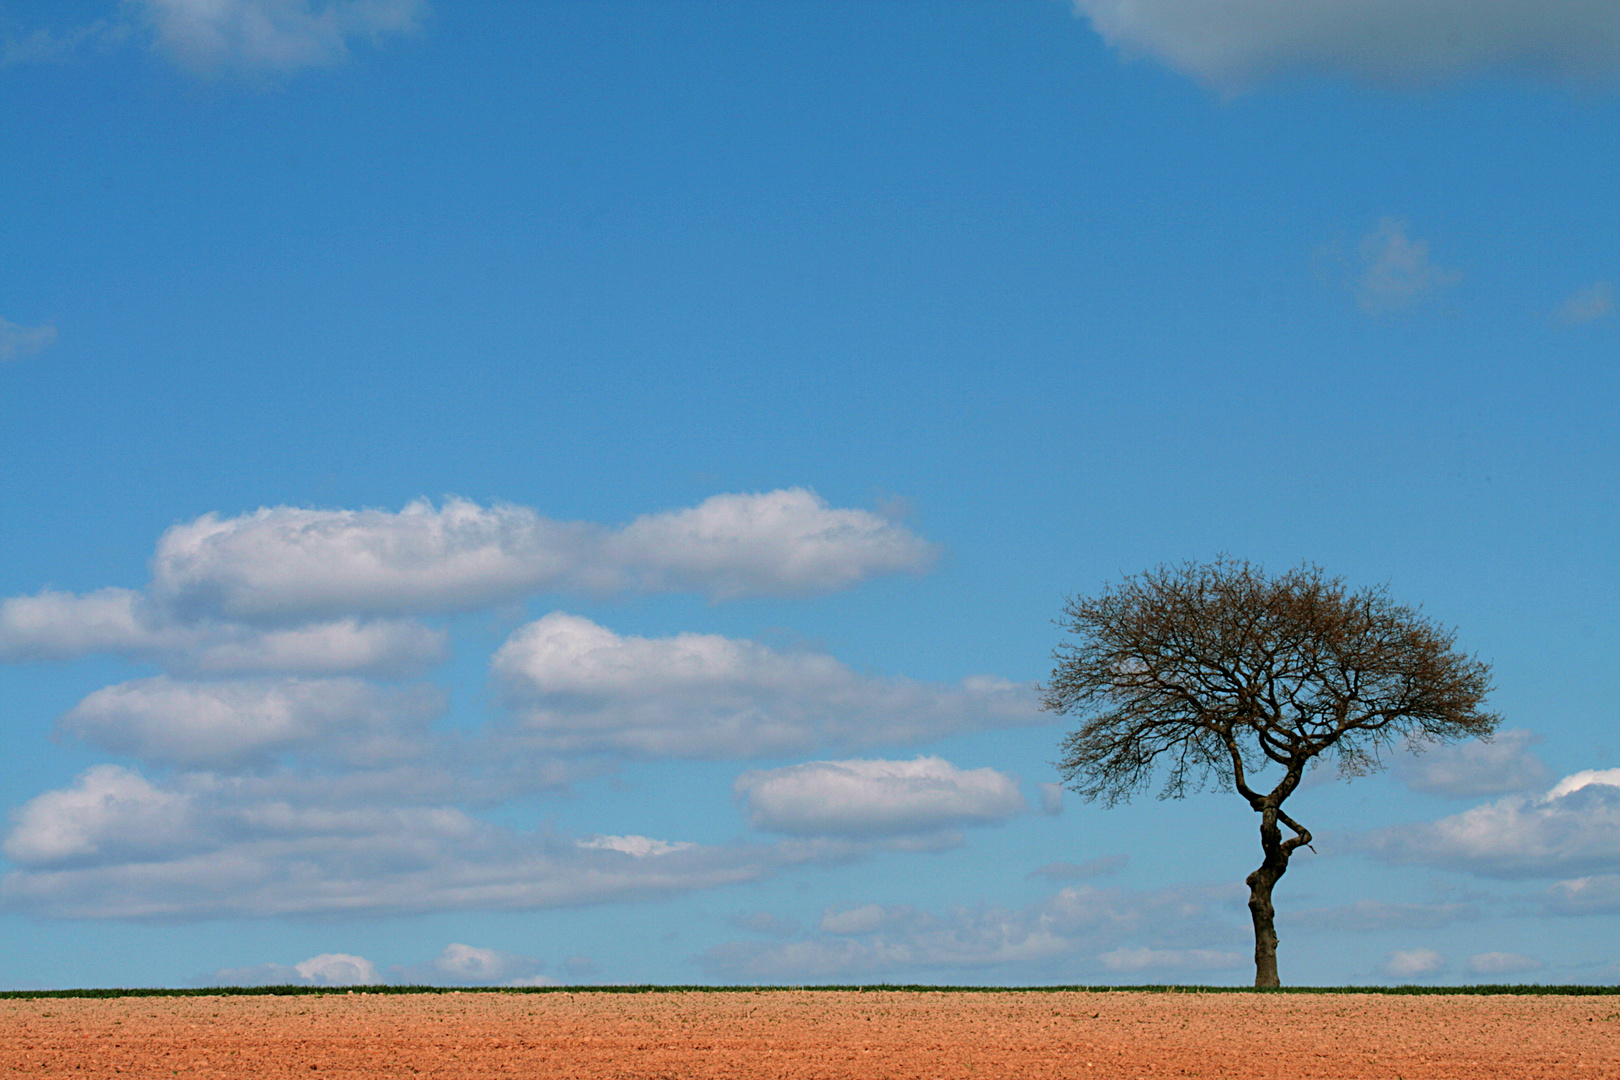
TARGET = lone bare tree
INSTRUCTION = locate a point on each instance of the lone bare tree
(1217, 671)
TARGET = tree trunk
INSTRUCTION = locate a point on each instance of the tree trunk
(1260, 910)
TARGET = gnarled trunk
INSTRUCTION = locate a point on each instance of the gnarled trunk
(1260, 910)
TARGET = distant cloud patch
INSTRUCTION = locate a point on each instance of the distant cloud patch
(277, 36)
(251, 38)
(1414, 964)
(1475, 768)
(1396, 271)
(1502, 963)
(1234, 45)
(1595, 301)
(17, 342)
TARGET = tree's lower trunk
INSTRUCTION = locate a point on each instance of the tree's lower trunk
(1260, 910)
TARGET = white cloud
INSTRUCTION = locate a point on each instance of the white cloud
(578, 686)
(1595, 894)
(16, 341)
(1234, 44)
(786, 541)
(283, 562)
(248, 722)
(640, 847)
(1371, 916)
(1413, 963)
(328, 592)
(1573, 829)
(201, 845)
(469, 965)
(876, 798)
(1079, 932)
(1052, 799)
(271, 35)
(380, 647)
(1502, 963)
(338, 969)
(1130, 961)
(1475, 768)
(1586, 778)
(44, 46)
(1396, 271)
(55, 625)
(109, 809)
(1595, 301)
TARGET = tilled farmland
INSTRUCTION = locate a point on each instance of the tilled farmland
(904, 1035)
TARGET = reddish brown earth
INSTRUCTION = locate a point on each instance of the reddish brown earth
(815, 1034)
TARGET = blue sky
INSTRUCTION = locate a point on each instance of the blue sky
(578, 493)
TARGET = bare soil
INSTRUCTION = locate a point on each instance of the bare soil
(815, 1034)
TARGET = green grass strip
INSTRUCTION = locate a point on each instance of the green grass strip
(1522, 989)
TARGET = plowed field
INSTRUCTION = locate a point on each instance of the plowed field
(819, 1034)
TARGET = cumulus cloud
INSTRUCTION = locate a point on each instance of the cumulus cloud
(1371, 916)
(1595, 301)
(283, 562)
(1079, 930)
(327, 969)
(59, 626)
(1413, 964)
(469, 965)
(1475, 768)
(337, 969)
(1574, 828)
(16, 341)
(271, 35)
(1234, 44)
(876, 798)
(1395, 271)
(327, 592)
(1502, 963)
(225, 724)
(577, 686)
(109, 809)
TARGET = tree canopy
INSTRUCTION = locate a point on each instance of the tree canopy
(1217, 672)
